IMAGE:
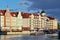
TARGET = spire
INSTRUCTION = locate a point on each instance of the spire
(7, 11)
(19, 14)
(38, 13)
(7, 8)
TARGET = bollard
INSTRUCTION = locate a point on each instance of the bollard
(59, 34)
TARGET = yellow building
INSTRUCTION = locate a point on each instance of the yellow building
(20, 21)
(2, 23)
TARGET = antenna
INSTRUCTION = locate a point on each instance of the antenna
(7, 6)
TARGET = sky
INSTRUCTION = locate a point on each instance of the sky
(52, 7)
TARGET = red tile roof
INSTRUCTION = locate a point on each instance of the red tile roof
(25, 15)
(2, 12)
(14, 14)
(35, 14)
(50, 18)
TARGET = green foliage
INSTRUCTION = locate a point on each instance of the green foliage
(59, 26)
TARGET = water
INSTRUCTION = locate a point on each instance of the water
(26, 37)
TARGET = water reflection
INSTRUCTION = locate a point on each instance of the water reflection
(4, 37)
(26, 37)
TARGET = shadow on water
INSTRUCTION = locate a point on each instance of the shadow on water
(3, 33)
(25, 37)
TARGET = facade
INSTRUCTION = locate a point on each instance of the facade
(2, 17)
(20, 21)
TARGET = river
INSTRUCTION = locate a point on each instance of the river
(26, 37)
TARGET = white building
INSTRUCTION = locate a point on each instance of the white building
(17, 21)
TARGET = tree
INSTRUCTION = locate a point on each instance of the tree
(58, 26)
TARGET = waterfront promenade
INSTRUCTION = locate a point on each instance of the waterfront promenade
(15, 33)
(25, 36)
(24, 32)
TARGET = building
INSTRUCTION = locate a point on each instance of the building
(2, 17)
(20, 21)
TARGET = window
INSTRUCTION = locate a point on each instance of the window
(47, 20)
(36, 17)
(14, 15)
(0, 13)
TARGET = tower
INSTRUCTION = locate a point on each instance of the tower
(43, 13)
(8, 19)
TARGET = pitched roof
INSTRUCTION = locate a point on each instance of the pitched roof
(25, 15)
(50, 18)
(35, 14)
(14, 14)
(2, 12)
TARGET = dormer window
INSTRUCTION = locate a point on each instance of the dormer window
(0, 13)
(47, 20)
(14, 15)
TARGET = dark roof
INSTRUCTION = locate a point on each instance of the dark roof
(43, 11)
(35, 14)
(14, 14)
(2, 12)
(25, 15)
(50, 18)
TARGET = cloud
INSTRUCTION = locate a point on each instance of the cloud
(59, 21)
(53, 10)
(25, 3)
(45, 4)
(54, 13)
(52, 7)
